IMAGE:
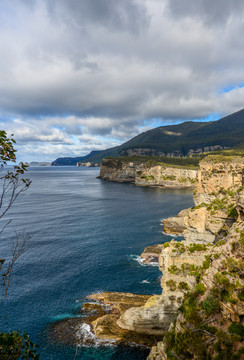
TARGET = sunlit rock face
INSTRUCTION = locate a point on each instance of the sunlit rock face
(147, 174)
(218, 215)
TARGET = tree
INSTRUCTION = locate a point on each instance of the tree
(13, 345)
(12, 184)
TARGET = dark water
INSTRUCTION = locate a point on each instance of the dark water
(85, 235)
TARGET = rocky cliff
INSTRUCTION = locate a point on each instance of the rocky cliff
(203, 276)
(147, 174)
(208, 267)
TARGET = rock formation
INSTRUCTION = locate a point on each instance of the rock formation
(147, 174)
(196, 265)
(175, 225)
(209, 323)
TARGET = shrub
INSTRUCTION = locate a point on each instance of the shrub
(241, 295)
(197, 247)
(237, 329)
(166, 244)
(206, 262)
(210, 304)
(220, 242)
(174, 269)
(199, 289)
(183, 286)
(242, 238)
(169, 177)
(14, 345)
(171, 284)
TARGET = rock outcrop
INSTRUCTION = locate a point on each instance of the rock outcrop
(175, 225)
(147, 174)
(151, 253)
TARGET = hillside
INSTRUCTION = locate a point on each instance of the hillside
(177, 140)
(73, 161)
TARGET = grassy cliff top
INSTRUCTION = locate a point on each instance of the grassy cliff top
(188, 163)
(224, 157)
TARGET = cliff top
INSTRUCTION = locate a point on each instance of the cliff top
(188, 163)
(223, 158)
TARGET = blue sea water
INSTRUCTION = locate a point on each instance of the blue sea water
(86, 235)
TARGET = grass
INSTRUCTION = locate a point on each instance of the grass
(187, 163)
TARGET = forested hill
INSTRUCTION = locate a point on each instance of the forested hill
(177, 140)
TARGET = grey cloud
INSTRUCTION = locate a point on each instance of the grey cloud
(126, 15)
(213, 12)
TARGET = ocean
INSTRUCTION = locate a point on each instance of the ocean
(86, 236)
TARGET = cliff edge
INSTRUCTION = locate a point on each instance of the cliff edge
(148, 173)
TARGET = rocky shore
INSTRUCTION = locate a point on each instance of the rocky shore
(98, 323)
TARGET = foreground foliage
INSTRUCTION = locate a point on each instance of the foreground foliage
(13, 345)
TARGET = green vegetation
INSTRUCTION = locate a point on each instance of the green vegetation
(148, 177)
(183, 180)
(211, 304)
(237, 329)
(171, 284)
(220, 242)
(242, 238)
(183, 286)
(169, 177)
(199, 289)
(15, 346)
(149, 161)
(206, 263)
(241, 294)
(167, 244)
(179, 140)
(197, 247)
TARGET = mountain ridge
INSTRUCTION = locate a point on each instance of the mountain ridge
(176, 140)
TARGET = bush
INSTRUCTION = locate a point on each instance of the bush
(166, 244)
(197, 247)
(237, 329)
(220, 243)
(183, 286)
(199, 289)
(210, 304)
(15, 346)
(206, 262)
(171, 284)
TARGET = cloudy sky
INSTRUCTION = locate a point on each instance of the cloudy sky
(79, 75)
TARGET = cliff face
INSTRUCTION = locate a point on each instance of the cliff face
(144, 174)
(209, 323)
(203, 275)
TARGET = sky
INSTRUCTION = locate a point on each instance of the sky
(83, 75)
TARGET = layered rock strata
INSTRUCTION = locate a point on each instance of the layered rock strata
(144, 174)
(217, 311)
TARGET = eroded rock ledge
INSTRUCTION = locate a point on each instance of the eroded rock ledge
(98, 322)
